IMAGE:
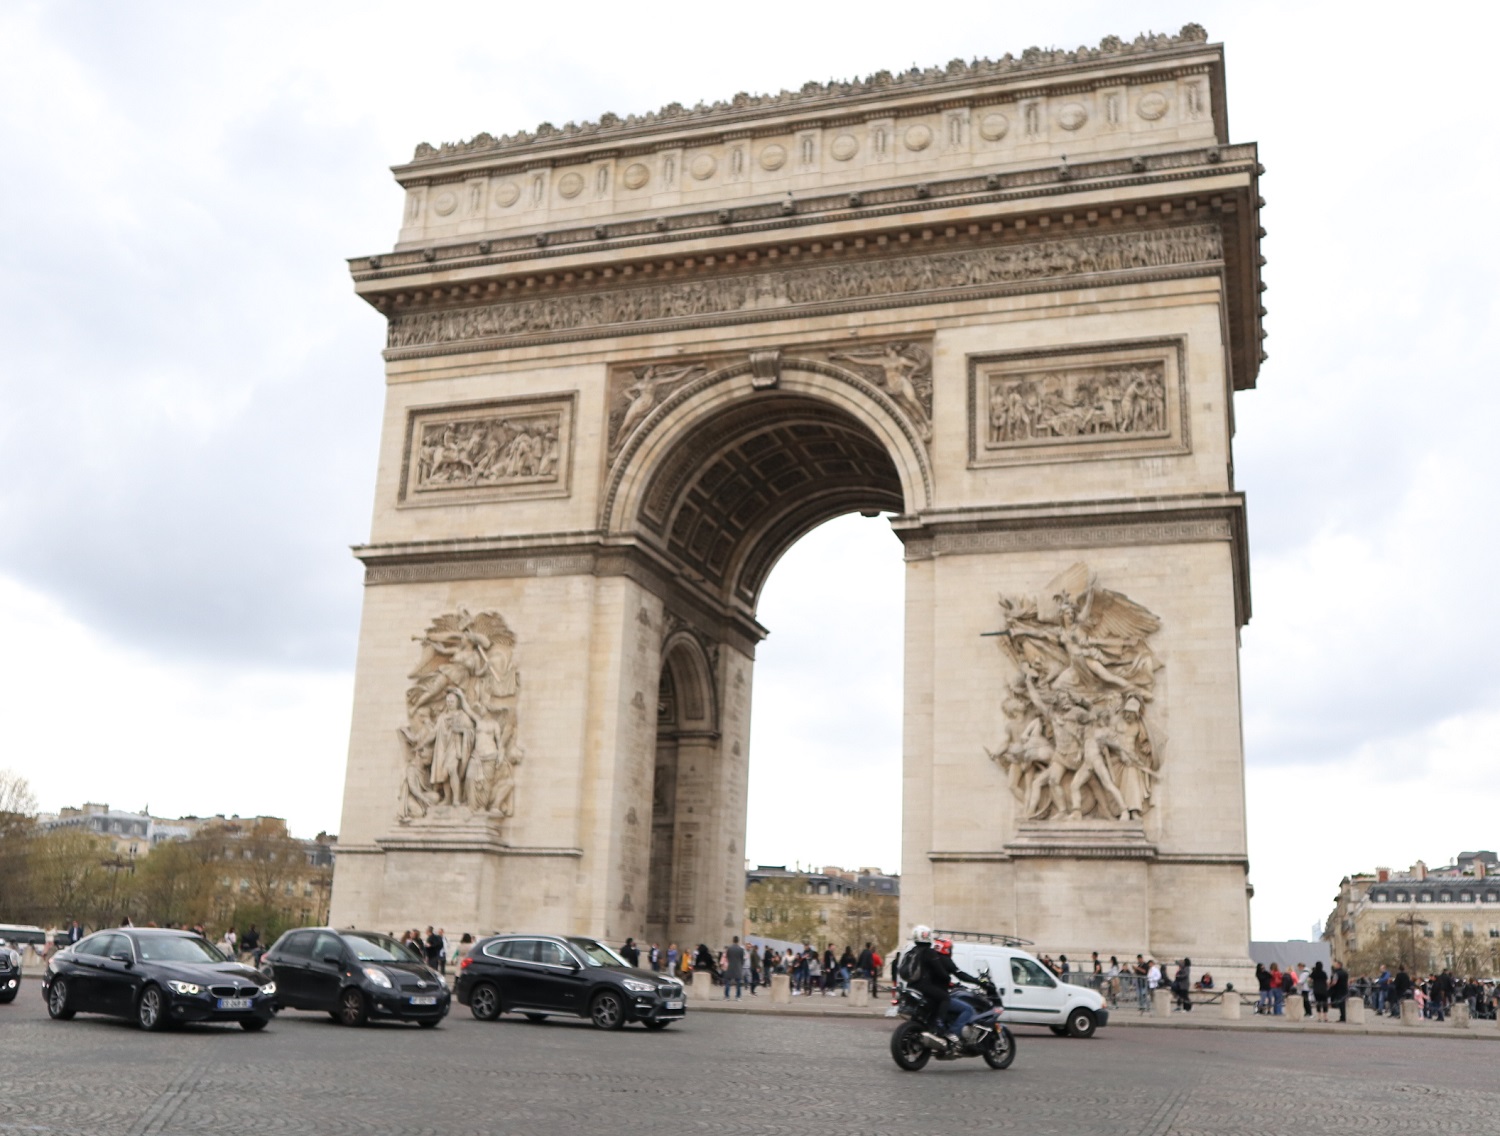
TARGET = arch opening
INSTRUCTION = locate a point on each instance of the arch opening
(743, 487)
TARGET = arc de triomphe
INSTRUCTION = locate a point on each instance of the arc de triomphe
(631, 362)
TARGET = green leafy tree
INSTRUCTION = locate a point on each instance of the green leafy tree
(17, 830)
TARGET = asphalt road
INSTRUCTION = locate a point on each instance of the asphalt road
(719, 1074)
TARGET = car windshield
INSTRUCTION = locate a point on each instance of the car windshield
(378, 948)
(597, 954)
(176, 948)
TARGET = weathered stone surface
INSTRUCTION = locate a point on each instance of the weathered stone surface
(622, 381)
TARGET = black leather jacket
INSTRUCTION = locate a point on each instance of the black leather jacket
(938, 973)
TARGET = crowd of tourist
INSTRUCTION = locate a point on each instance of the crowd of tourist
(736, 967)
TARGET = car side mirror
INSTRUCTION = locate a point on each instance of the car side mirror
(333, 960)
(122, 956)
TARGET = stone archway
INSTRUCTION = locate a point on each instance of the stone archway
(630, 363)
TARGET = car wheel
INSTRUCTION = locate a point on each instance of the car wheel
(607, 1011)
(429, 1024)
(1001, 1051)
(250, 1025)
(151, 1009)
(656, 1025)
(1082, 1023)
(536, 1017)
(484, 1002)
(1061, 1031)
(352, 1010)
(908, 1049)
(57, 1000)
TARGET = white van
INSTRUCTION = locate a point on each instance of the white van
(1032, 994)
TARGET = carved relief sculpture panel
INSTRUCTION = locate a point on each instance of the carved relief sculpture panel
(1081, 687)
(460, 733)
(490, 451)
(1073, 404)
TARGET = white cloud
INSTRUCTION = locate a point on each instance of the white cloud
(192, 395)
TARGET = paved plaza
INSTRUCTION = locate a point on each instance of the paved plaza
(722, 1074)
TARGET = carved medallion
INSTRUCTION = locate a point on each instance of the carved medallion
(507, 193)
(487, 451)
(445, 203)
(1152, 106)
(773, 157)
(460, 732)
(703, 167)
(994, 127)
(570, 185)
(635, 176)
(1072, 116)
(918, 137)
(844, 147)
(1081, 686)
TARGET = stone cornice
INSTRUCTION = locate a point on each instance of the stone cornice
(1188, 519)
(1035, 65)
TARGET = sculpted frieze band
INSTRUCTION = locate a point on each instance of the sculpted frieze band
(790, 289)
(1069, 403)
(1077, 744)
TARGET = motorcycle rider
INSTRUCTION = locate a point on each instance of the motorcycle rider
(936, 975)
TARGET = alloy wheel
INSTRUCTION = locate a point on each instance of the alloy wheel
(607, 1012)
(150, 1010)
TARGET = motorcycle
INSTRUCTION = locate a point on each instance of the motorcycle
(917, 1040)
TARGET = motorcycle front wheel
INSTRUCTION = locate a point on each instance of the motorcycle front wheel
(907, 1048)
(1001, 1051)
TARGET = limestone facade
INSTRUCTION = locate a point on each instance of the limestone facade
(630, 363)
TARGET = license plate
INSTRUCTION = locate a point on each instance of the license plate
(234, 1003)
(425, 1000)
(672, 1006)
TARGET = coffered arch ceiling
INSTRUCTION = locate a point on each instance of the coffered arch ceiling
(746, 484)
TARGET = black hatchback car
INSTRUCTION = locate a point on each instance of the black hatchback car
(540, 975)
(157, 977)
(356, 976)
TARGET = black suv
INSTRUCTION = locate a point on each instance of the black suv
(355, 976)
(538, 975)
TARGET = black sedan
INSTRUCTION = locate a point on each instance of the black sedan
(539, 975)
(157, 978)
(356, 976)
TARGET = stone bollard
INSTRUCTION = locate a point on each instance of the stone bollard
(703, 984)
(1458, 1015)
(1354, 1011)
(781, 989)
(859, 992)
(1229, 1008)
(1295, 1011)
(1410, 1015)
(1161, 1002)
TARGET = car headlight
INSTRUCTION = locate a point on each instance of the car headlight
(378, 976)
(640, 987)
(268, 988)
(185, 987)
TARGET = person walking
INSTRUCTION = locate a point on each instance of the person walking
(1304, 989)
(653, 957)
(1278, 990)
(754, 965)
(672, 956)
(1182, 985)
(630, 952)
(876, 962)
(1318, 980)
(734, 969)
(1401, 989)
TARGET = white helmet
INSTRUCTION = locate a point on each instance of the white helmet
(921, 933)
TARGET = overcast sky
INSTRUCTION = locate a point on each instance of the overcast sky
(191, 399)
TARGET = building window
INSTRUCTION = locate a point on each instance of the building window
(1491, 897)
(1446, 897)
(1426, 932)
(1400, 897)
(1377, 897)
(1495, 932)
(1384, 927)
(1465, 897)
(1447, 928)
(244, 885)
(1468, 930)
(1425, 897)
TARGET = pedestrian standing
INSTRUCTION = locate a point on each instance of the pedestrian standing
(734, 969)
(754, 965)
(673, 954)
(630, 952)
(653, 957)
(1318, 979)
